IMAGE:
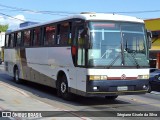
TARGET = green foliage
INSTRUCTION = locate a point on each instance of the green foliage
(3, 28)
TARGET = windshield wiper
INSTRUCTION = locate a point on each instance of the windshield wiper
(116, 58)
(132, 55)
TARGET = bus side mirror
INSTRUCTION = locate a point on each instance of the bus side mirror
(149, 39)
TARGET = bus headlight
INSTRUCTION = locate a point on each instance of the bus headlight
(143, 77)
(97, 77)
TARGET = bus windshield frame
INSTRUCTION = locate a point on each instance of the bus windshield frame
(117, 44)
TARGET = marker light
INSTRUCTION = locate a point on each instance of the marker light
(143, 77)
(97, 77)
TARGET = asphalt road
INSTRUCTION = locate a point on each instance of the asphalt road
(149, 102)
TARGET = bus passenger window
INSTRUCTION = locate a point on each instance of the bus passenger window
(49, 36)
(36, 37)
(27, 38)
(64, 34)
(18, 41)
(70, 34)
(11, 40)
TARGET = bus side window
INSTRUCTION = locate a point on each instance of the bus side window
(49, 35)
(63, 34)
(18, 41)
(11, 40)
(27, 38)
(36, 37)
(70, 33)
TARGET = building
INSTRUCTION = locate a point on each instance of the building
(154, 26)
(2, 42)
(2, 37)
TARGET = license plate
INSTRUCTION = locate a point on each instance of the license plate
(122, 88)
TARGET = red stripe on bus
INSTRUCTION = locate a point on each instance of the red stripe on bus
(119, 78)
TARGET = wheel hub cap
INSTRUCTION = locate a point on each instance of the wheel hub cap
(63, 87)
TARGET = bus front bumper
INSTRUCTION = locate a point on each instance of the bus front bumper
(116, 87)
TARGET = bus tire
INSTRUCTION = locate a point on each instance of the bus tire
(111, 97)
(63, 89)
(16, 75)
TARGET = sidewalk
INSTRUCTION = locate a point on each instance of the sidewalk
(14, 99)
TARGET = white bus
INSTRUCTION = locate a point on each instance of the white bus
(89, 54)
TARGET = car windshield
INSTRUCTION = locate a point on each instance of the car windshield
(117, 44)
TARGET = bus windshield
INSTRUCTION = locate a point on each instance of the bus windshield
(117, 44)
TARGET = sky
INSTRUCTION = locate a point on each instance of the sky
(14, 12)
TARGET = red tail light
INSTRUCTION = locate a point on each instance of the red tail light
(74, 50)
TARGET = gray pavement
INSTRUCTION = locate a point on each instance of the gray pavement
(13, 99)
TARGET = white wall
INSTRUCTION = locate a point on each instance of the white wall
(2, 39)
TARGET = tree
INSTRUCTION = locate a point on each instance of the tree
(3, 28)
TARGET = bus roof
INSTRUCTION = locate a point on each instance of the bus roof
(103, 16)
(90, 16)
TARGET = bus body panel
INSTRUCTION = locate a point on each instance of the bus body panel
(119, 72)
(81, 79)
(11, 58)
(44, 70)
(50, 65)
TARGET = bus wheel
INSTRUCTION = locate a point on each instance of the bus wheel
(111, 97)
(63, 89)
(16, 75)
